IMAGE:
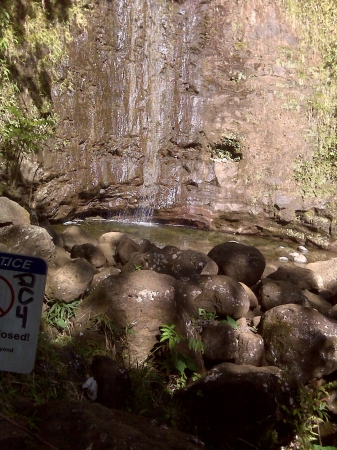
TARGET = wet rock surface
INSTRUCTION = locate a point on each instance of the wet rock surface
(178, 118)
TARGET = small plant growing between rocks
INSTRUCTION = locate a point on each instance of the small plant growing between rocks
(207, 315)
(231, 322)
(228, 149)
(177, 360)
(311, 410)
(58, 314)
(115, 336)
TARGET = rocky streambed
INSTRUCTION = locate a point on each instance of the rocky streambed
(246, 337)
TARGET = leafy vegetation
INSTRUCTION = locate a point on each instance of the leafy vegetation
(58, 314)
(312, 410)
(317, 55)
(231, 322)
(228, 149)
(33, 35)
(176, 360)
(21, 135)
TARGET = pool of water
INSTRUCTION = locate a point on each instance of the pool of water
(198, 240)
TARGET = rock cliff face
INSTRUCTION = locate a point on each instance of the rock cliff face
(184, 111)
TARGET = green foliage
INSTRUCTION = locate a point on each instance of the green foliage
(51, 378)
(331, 59)
(177, 360)
(316, 26)
(308, 412)
(146, 381)
(207, 315)
(115, 336)
(169, 334)
(228, 149)
(231, 322)
(21, 135)
(150, 397)
(58, 314)
(32, 40)
(319, 447)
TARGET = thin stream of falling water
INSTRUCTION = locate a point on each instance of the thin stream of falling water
(154, 85)
(149, 78)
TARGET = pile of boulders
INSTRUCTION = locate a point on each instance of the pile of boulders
(265, 330)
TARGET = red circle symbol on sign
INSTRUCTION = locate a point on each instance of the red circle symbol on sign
(6, 296)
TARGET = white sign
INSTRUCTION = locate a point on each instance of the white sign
(22, 284)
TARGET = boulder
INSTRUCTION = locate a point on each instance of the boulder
(299, 340)
(238, 261)
(57, 239)
(74, 234)
(223, 295)
(109, 251)
(125, 249)
(72, 425)
(250, 349)
(138, 302)
(112, 237)
(28, 240)
(277, 292)
(318, 302)
(220, 342)
(70, 281)
(102, 275)
(11, 213)
(303, 278)
(327, 271)
(232, 404)
(251, 296)
(89, 252)
(173, 261)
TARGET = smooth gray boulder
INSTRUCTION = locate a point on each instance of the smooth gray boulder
(238, 261)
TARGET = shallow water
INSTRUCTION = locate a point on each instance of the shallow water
(198, 240)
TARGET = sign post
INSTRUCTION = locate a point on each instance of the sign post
(22, 284)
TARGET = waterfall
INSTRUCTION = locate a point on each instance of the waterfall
(151, 100)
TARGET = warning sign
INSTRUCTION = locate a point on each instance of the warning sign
(22, 284)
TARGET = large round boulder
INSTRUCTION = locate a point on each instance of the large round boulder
(173, 261)
(70, 281)
(277, 292)
(233, 403)
(222, 295)
(11, 213)
(238, 261)
(137, 302)
(74, 234)
(28, 240)
(299, 340)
